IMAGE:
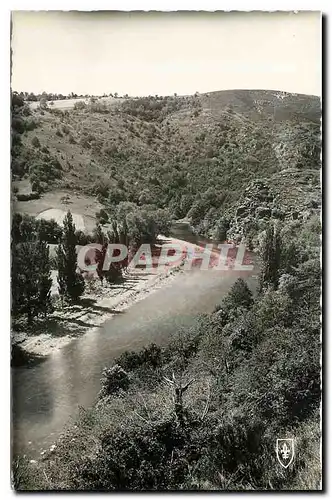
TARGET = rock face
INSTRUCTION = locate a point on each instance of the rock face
(260, 204)
(258, 201)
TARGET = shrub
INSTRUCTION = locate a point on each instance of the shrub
(27, 197)
(150, 356)
(113, 380)
(102, 216)
(45, 170)
(18, 125)
(49, 230)
(101, 188)
(239, 295)
(82, 238)
(79, 105)
(35, 142)
(99, 107)
(65, 129)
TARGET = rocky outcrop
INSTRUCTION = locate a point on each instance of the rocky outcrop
(260, 204)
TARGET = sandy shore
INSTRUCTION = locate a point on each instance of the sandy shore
(97, 305)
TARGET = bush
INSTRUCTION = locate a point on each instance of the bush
(151, 356)
(79, 105)
(45, 170)
(27, 228)
(102, 216)
(114, 273)
(99, 107)
(101, 188)
(18, 125)
(27, 197)
(239, 296)
(113, 380)
(35, 142)
(82, 238)
(49, 230)
(31, 124)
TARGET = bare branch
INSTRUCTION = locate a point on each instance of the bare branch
(211, 370)
(142, 418)
(146, 408)
(226, 366)
(184, 388)
(168, 380)
(206, 409)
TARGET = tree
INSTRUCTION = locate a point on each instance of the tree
(17, 279)
(44, 278)
(61, 272)
(98, 235)
(270, 253)
(71, 284)
(49, 231)
(239, 295)
(100, 258)
(43, 103)
(102, 216)
(27, 228)
(31, 279)
(114, 272)
(163, 221)
(35, 142)
(113, 380)
(222, 226)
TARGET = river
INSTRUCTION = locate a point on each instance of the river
(46, 396)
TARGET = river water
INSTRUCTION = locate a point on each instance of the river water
(47, 396)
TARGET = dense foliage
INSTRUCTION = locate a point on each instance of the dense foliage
(205, 412)
(31, 279)
(194, 156)
(26, 228)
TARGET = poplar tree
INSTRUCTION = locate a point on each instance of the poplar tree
(70, 283)
(44, 278)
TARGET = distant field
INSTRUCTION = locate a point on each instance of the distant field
(69, 103)
(58, 215)
(56, 204)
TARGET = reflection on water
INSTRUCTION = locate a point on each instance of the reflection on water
(47, 395)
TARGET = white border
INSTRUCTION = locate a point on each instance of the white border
(170, 5)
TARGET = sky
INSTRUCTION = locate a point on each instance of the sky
(142, 53)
